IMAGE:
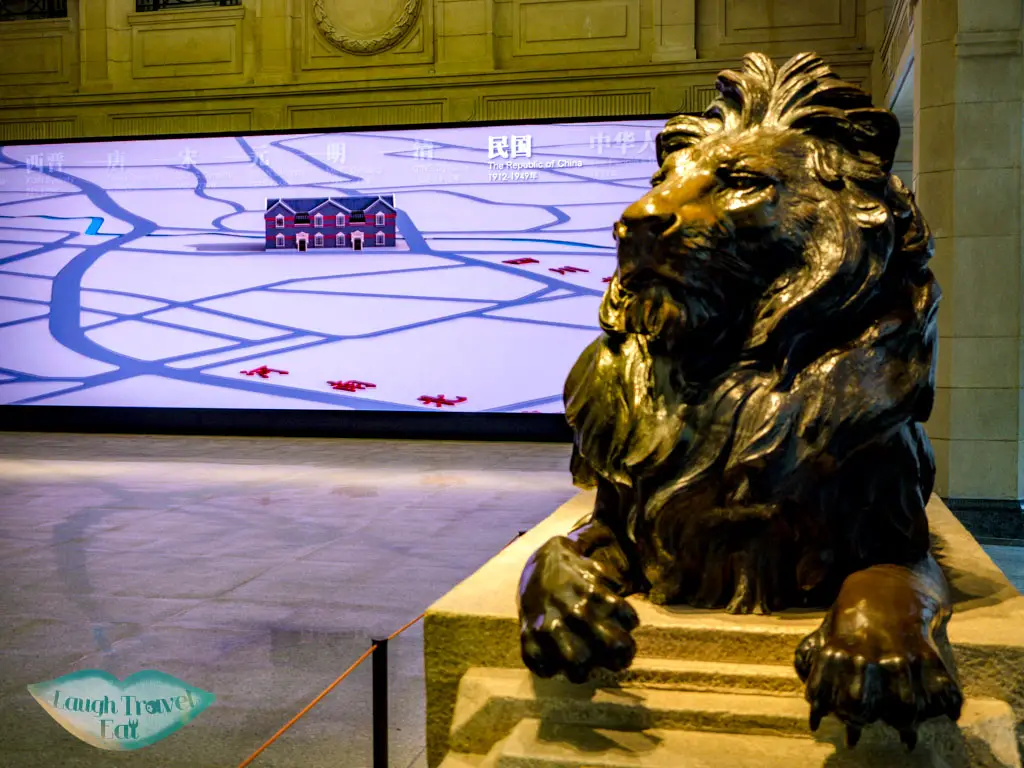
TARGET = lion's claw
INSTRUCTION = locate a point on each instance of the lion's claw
(571, 619)
(849, 678)
(817, 713)
(909, 737)
(853, 733)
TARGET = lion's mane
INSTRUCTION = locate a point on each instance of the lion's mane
(759, 475)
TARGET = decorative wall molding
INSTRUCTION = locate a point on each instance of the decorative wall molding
(684, 97)
(169, 123)
(400, 96)
(190, 42)
(576, 104)
(39, 128)
(547, 27)
(700, 98)
(462, 108)
(761, 21)
(1001, 43)
(38, 52)
(365, 46)
(899, 30)
(675, 30)
(409, 39)
(335, 115)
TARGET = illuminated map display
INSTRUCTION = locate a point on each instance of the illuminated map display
(225, 272)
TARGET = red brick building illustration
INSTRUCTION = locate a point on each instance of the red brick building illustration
(331, 222)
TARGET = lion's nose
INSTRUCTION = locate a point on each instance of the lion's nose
(672, 204)
(651, 215)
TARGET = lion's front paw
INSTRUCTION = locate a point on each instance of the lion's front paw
(862, 678)
(572, 619)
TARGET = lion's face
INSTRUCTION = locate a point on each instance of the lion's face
(725, 217)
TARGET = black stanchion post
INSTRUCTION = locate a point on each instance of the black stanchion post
(380, 704)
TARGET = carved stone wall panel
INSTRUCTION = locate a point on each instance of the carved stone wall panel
(463, 109)
(675, 30)
(700, 98)
(545, 27)
(27, 129)
(336, 115)
(192, 43)
(780, 28)
(898, 33)
(758, 21)
(36, 52)
(181, 122)
(557, 105)
(674, 98)
(773, 20)
(355, 34)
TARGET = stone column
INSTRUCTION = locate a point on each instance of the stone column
(675, 30)
(119, 44)
(465, 40)
(874, 34)
(967, 165)
(93, 45)
(273, 33)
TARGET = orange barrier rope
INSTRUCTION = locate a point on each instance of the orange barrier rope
(309, 706)
(346, 673)
(397, 632)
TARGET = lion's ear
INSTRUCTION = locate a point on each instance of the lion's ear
(876, 132)
(869, 133)
(681, 132)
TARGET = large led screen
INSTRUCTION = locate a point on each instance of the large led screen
(444, 269)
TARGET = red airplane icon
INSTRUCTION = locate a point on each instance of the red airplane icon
(440, 400)
(263, 372)
(563, 270)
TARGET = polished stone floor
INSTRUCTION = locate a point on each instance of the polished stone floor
(257, 569)
(254, 569)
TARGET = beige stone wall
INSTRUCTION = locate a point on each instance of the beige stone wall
(280, 64)
(967, 167)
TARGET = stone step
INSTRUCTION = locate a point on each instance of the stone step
(687, 675)
(536, 744)
(677, 674)
(461, 760)
(492, 702)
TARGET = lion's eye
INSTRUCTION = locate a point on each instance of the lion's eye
(744, 180)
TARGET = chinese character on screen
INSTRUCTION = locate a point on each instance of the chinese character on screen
(600, 141)
(34, 163)
(522, 146)
(336, 153)
(115, 160)
(424, 150)
(497, 146)
(648, 142)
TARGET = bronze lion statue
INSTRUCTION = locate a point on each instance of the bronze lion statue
(751, 415)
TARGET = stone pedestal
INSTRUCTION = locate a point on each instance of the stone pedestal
(704, 684)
